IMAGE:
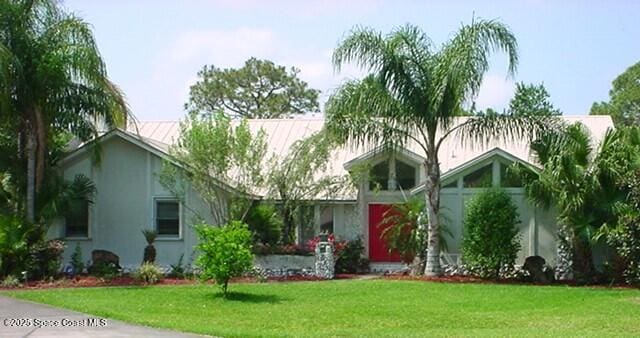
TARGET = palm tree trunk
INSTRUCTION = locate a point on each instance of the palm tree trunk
(41, 148)
(432, 201)
(31, 175)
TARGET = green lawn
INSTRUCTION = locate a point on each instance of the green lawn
(362, 308)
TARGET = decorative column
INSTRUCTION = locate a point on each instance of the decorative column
(325, 264)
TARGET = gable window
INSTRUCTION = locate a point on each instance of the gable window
(77, 222)
(405, 175)
(508, 179)
(379, 176)
(167, 217)
(480, 178)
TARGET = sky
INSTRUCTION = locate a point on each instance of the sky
(154, 49)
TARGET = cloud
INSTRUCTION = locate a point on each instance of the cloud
(495, 92)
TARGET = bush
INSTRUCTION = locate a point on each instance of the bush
(177, 270)
(45, 258)
(104, 270)
(14, 245)
(148, 273)
(265, 223)
(11, 282)
(76, 260)
(350, 258)
(490, 243)
(225, 252)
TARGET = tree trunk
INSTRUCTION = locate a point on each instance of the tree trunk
(583, 260)
(41, 148)
(432, 202)
(31, 174)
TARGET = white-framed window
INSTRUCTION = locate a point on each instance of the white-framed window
(77, 222)
(167, 217)
(392, 174)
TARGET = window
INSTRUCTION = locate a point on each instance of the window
(508, 179)
(453, 184)
(480, 178)
(379, 176)
(77, 221)
(326, 219)
(405, 175)
(167, 217)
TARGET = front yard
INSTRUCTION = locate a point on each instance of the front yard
(362, 308)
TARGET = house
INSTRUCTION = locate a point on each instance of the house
(130, 197)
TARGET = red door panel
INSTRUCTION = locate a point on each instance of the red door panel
(378, 251)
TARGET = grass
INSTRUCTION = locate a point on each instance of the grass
(362, 308)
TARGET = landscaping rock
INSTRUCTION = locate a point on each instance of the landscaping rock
(537, 269)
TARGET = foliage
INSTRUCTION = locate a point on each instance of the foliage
(177, 269)
(490, 243)
(52, 79)
(581, 183)
(338, 246)
(148, 273)
(624, 99)
(45, 258)
(624, 235)
(362, 308)
(104, 269)
(10, 282)
(350, 259)
(222, 161)
(531, 100)
(260, 89)
(23, 248)
(14, 250)
(404, 230)
(150, 236)
(415, 93)
(265, 224)
(225, 252)
(281, 249)
(76, 260)
(293, 180)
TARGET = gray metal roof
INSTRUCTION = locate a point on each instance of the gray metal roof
(282, 133)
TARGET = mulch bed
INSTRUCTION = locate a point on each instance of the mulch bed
(476, 280)
(91, 281)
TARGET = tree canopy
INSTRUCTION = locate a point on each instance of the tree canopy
(532, 100)
(260, 89)
(624, 99)
(52, 80)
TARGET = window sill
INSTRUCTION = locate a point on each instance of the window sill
(168, 239)
(77, 239)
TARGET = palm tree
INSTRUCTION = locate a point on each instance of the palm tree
(415, 93)
(52, 78)
(582, 184)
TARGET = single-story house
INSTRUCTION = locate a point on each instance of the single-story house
(130, 197)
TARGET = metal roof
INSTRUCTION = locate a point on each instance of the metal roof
(282, 133)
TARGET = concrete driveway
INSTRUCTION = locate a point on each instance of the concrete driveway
(20, 318)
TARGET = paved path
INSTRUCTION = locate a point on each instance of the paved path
(14, 309)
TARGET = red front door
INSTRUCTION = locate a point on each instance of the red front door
(378, 250)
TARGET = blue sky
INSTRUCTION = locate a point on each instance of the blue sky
(153, 49)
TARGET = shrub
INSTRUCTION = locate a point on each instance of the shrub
(76, 260)
(148, 273)
(45, 258)
(177, 270)
(225, 252)
(403, 233)
(14, 246)
(149, 251)
(281, 249)
(104, 269)
(265, 223)
(11, 282)
(350, 258)
(490, 243)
